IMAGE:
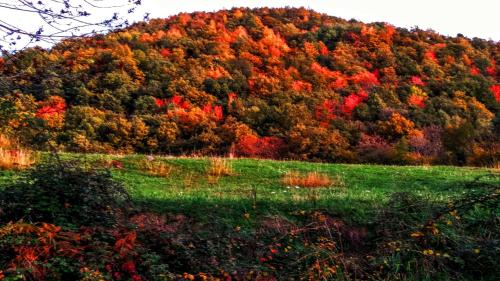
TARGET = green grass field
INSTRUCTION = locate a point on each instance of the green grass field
(255, 187)
(233, 210)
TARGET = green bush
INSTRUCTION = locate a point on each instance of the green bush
(64, 193)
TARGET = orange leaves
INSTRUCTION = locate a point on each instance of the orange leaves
(310, 49)
(184, 18)
(274, 43)
(495, 89)
(175, 32)
(416, 100)
(252, 58)
(217, 72)
(339, 79)
(387, 33)
(238, 13)
(323, 50)
(397, 125)
(231, 97)
(225, 36)
(417, 97)
(431, 55)
(125, 244)
(301, 86)
(52, 111)
(365, 79)
(340, 82)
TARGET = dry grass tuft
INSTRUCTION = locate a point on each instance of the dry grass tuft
(155, 167)
(219, 167)
(309, 180)
(16, 159)
(5, 142)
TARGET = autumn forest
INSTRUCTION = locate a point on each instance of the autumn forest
(265, 83)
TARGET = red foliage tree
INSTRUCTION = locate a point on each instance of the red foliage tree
(54, 106)
(214, 112)
(415, 80)
(495, 89)
(352, 101)
(180, 102)
(325, 112)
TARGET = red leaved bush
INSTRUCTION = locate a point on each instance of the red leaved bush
(265, 147)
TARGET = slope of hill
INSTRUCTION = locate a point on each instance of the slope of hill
(274, 83)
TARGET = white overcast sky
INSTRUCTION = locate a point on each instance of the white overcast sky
(473, 18)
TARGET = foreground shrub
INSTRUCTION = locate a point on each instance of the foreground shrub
(64, 193)
(421, 240)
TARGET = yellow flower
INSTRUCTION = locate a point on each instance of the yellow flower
(454, 213)
(237, 228)
(428, 252)
(246, 215)
(417, 234)
(476, 251)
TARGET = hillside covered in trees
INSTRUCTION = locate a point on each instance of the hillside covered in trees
(272, 83)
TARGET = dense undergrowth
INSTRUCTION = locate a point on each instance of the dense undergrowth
(67, 220)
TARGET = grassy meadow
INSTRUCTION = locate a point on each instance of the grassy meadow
(275, 219)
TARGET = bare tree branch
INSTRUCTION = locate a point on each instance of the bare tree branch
(59, 19)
